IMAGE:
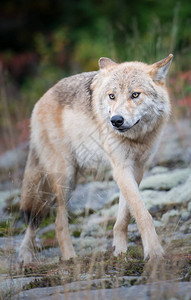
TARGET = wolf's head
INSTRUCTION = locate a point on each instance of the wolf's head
(132, 96)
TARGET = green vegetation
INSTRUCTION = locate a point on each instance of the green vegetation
(48, 235)
(50, 218)
(108, 269)
(102, 265)
(77, 233)
(69, 37)
(7, 228)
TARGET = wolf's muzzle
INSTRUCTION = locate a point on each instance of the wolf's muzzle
(118, 124)
(117, 121)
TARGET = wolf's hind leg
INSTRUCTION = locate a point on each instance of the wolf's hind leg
(36, 199)
(121, 227)
(27, 246)
(63, 192)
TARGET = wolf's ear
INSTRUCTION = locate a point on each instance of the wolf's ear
(105, 63)
(159, 70)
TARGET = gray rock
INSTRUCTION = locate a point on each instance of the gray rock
(91, 196)
(154, 200)
(175, 146)
(92, 230)
(14, 158)
(165, 181)
(10, 243)
(185, 215)
(180, 194)
(158, 223)
(4, 196)
(89, 244)
(46, 229)
(189, 207)
(97, 219)
(172, 213)
(109, 212)
(159, 290)
(113, 200)
(10, 286)
(158, 170)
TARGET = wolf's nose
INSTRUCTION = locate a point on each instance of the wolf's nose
(117, 121)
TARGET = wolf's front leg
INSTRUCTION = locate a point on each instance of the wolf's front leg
(129, 188)
(121, 227)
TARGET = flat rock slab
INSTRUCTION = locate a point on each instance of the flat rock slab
(92, 196)
(14, 158)
(4, 196)
(165, 181)
(160, 290)
(175, 144)
(11, 286)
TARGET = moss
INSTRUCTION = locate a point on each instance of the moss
(77, 233)
(110, 224)
(75, 220)
(48, 235)
(43, 282)
(50, 218)
(103, 266)
(106, 267)
(134, 252)
(4, 228)
(180, 242)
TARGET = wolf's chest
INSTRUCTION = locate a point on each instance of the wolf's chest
(89, 151)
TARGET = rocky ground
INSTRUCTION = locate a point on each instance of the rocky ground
(96, 274)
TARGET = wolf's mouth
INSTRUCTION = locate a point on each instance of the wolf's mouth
(125, 128)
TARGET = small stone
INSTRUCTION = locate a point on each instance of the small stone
(183, 228)
(8, 198)
(14, 158)
(165, 218)
(159, 170)
(100, 220)
(185, 215)
(93, 230)
(180, 194)
(158, 223)
(110, 212)
(113, 200)
(154, 200)
(189, 207)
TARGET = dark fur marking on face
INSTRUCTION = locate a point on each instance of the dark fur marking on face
(88, 86)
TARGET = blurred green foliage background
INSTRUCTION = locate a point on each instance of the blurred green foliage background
(43, 41)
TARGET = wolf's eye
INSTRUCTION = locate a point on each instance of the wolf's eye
(135, 95)
(111, 96)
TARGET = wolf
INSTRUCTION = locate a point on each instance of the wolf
(113, 116)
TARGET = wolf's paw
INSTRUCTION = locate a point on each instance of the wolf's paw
(154, 253)
(69, 256)
(119, 248)
(69, 253)
(25, 256)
